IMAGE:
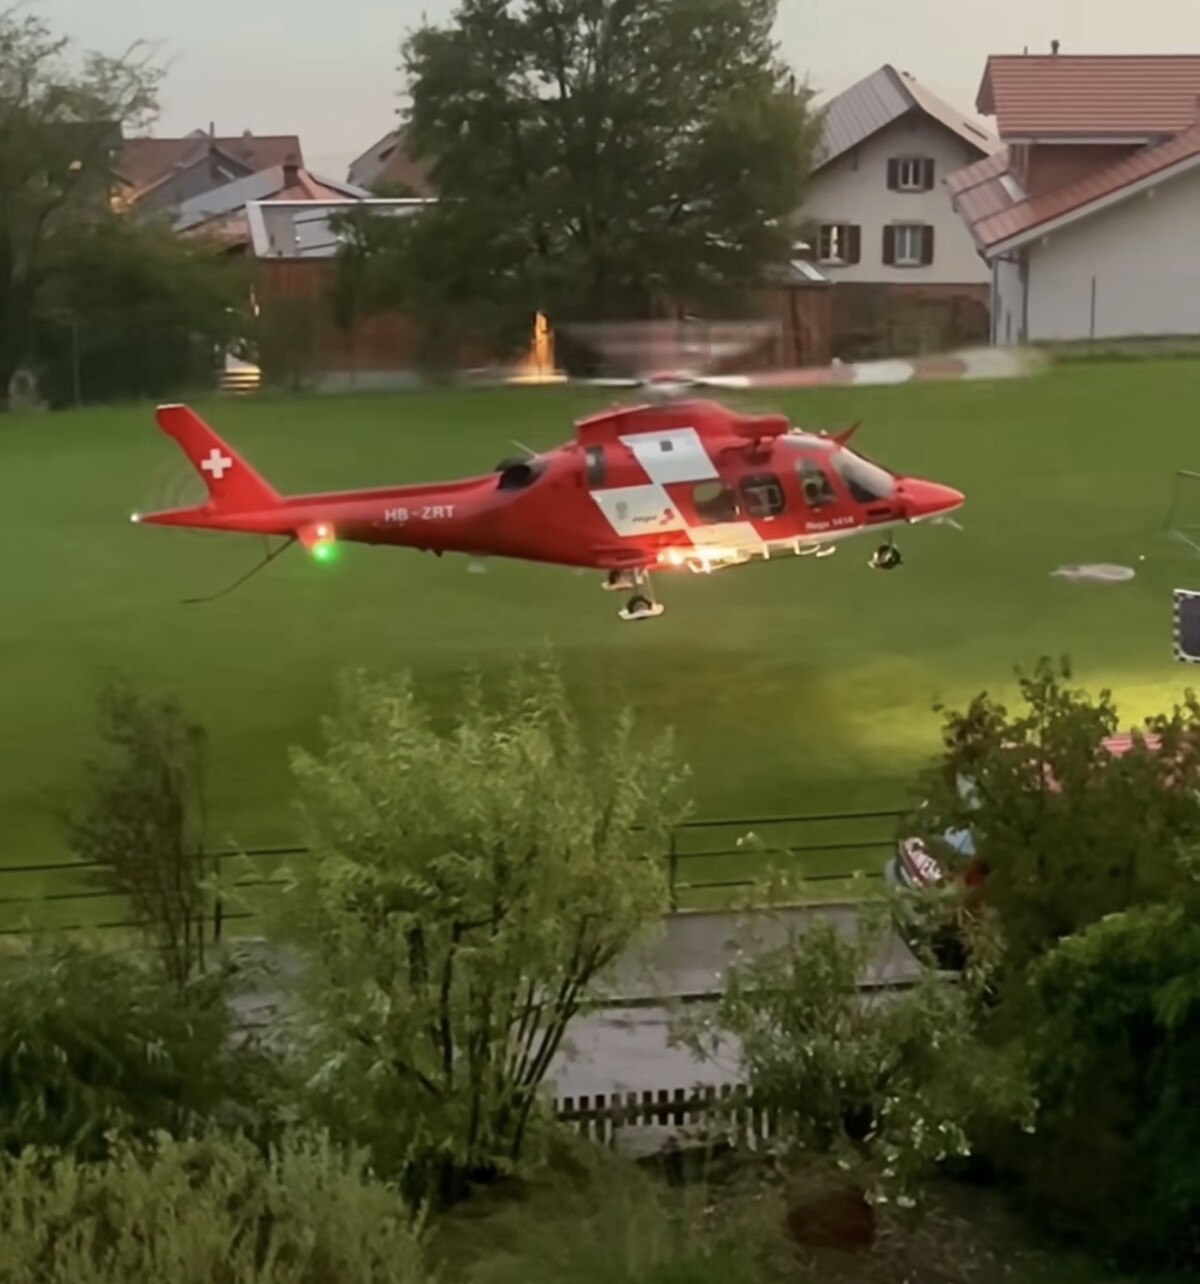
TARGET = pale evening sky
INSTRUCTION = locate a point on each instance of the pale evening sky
(327, 72)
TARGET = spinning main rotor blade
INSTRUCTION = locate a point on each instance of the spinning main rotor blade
(968, 364)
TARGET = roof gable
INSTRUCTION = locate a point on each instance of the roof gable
(873, 103)
(1001, 216)
(1090, 95)
(280, 181)
(144, 162)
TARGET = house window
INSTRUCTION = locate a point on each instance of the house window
(910, 174)
(908, 245)
(839, 243)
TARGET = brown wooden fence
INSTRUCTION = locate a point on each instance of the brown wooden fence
(729, 1110)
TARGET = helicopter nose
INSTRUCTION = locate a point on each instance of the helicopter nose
(924, 499)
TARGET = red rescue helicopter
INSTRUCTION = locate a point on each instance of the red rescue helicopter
(681, 483)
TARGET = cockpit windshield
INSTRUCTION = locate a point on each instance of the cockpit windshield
(866, 481)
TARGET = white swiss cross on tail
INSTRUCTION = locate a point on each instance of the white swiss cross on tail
(216, 463)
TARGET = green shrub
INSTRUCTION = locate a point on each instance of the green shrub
(204, 1211)
(93, 1043)
(591, 1218)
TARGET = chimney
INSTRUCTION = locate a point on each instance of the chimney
(1054, 46)
(291, 170)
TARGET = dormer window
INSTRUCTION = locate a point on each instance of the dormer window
(910, 174)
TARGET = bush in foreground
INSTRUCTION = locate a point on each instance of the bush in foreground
(94, 1045)
(204, 1211)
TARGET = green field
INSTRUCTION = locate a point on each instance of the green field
(797, 686)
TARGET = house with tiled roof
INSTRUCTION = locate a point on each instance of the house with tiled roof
(1086, 217)
(223, 214)
(876, 202)
(388, 168)
(158, 174)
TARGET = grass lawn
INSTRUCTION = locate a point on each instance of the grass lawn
(795, 687)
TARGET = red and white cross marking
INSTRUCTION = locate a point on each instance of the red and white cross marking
(217, 463)
(668, 457)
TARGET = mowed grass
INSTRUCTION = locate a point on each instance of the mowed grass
(796, 686)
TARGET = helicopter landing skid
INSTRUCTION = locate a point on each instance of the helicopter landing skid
(641, 604)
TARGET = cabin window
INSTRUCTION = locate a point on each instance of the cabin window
(763, 496)
(596, 469)
(715, 502)
(817, 488)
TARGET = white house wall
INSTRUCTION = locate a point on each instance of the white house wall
(1143, 256)
(853, 189)
(1008, 302)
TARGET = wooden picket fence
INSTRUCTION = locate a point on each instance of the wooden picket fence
(729, 1110)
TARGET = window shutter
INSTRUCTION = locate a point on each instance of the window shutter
(889, 245)
(893, 175)
(927, 174)
(853, 243)
(926, 245)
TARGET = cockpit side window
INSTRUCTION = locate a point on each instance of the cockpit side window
(815, 483)
(867, 482)
(763, 496)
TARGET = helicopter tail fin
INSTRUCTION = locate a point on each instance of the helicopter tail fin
(233, 486)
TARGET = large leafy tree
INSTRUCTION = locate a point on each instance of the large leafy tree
(60, 121)
(471, 879)
(594, 157)
(133, 310)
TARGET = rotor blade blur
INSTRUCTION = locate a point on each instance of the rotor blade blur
(974, 363)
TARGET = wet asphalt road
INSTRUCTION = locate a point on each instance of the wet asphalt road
(624, 1047)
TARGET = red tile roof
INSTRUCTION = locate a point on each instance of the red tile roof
(1041, 95)
(143, 162)
(995, 209)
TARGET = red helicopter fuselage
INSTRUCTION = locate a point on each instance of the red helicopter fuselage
(690, 484)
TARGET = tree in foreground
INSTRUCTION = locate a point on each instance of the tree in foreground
(60, 123)
(469, 882)
(1066, 833)
(593, 158)
(143, 826)
(1114, 1032)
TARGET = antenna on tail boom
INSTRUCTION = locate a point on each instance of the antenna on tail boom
(270, 557)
